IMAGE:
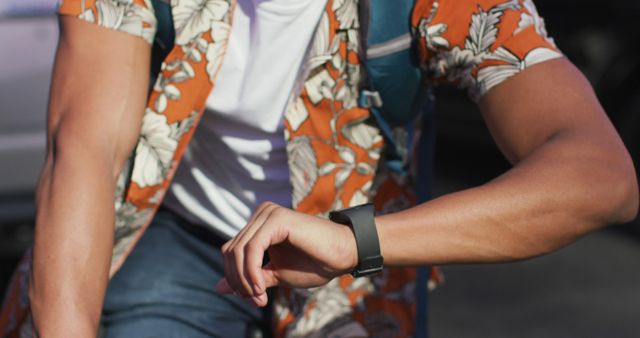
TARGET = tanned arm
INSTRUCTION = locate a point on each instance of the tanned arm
(571, 175)
(96, 103)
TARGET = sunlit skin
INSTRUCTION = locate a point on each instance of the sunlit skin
(571, 175)
(91, 132)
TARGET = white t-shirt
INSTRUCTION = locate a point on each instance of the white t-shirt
(237, 158)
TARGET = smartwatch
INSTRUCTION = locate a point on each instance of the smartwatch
(360, 219)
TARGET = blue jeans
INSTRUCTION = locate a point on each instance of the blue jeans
(165, 289)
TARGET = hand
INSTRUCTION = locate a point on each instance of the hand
(304, 251)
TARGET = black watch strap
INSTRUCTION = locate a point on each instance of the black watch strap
(361, 220)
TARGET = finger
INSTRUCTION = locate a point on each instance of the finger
(231, 258)
(272, 233)
(268, 275)
(253, 265)
(228, 271)
(251, 285)
(235, 276)
(223, 287)
(260, 300)
(257, 222)
(255, 252)
(234, 252)
(255, 219)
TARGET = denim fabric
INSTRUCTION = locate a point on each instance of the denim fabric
(165, 289)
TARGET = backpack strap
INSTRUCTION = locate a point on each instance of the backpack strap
(364, 15)
(392, 88)
(165, 35)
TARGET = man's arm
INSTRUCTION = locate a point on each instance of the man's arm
(97, 98)
(571, 175)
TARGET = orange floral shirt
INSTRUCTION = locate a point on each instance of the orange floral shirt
(333, 154)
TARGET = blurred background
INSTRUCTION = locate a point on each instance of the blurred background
(590, 289)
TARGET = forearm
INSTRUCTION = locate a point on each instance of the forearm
(98, 95)
(558, 193)
(74, 236)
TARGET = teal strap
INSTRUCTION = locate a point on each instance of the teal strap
(165, 34)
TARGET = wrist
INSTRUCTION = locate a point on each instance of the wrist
(63, 326)
(383, 235)
(360, 219)
(350, 249)
(70, 315)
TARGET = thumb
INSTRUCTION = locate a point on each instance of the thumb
(223, 286)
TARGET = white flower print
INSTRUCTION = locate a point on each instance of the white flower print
(182, 71)
(490, 76)
(320, 87)
(336, 60)
(364, 168)
(193, 17)
(361, 196)
(124, 15)
(433, 35)
(215, 51)
(483, 29)
(297, 114)
(348, 92)
(346, 13)
(167, 92)
(134, 19)
(455, 65)
(88, 16)
(358, 198)
(195, 48)
(129, 220)
(361, 134)
(532, 18)
(121, 183)
(155, 150)
(321, 50)
(331, 304)
(179, 128)
(303, 168)
(110, 14)
(327, 168)
(346, 168)
(175, 71)
(348, 95)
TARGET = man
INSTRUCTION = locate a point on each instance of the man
(571, 172)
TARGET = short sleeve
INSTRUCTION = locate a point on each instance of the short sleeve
(135, 17)
(478, 44)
